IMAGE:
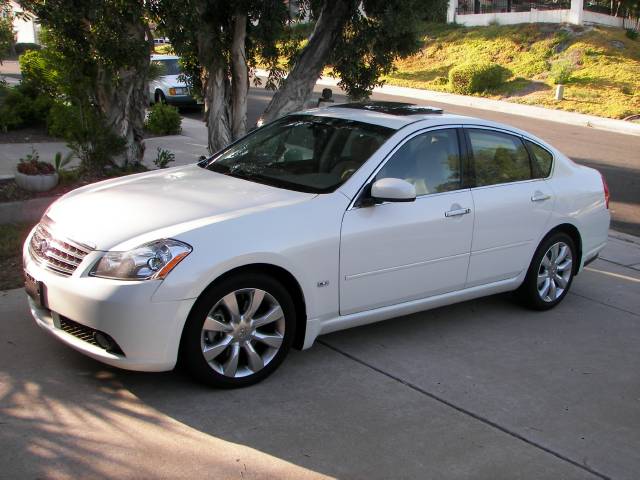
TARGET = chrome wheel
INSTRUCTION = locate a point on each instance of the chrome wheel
(554, 272)
(243, 332)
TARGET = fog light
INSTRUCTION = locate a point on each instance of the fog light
(103, 340)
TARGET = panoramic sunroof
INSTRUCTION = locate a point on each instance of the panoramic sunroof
(392, 108)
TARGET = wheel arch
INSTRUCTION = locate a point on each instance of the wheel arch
(157, 95)
(574, 233)
(282, 275)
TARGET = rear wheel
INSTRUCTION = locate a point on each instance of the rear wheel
(550, 274)
(239, 331)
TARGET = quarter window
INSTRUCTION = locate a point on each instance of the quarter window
(498, 157)
(430, 161)
(541, 160)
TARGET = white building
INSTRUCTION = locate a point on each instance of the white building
(26, 29)
(508, 12)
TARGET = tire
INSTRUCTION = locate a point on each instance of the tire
(554, 261)
(160, 98)
(222, 326)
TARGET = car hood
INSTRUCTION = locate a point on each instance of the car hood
(115, 214)
(172, 81)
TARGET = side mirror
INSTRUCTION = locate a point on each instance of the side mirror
(393, 190)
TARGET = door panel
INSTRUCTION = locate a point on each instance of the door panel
(508, 226)
(396, 252)
(511, 209)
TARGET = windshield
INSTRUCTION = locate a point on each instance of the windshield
(169, 66)
(302, 152)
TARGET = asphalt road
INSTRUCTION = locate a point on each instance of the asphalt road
(480, 390)
(617, 156)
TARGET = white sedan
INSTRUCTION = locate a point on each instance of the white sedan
(320, 221)
(169, 87)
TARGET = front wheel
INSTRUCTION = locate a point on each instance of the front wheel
(160, 98)
(550, 274)
(239, 331)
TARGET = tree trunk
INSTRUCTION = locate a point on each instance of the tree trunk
(215, 84)
(298, 86)
(239, 76)
(123, 101)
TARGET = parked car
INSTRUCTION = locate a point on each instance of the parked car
(170, 88)
(319, 221)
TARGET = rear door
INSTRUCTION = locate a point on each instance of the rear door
(513, 204)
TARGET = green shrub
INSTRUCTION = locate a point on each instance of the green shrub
(87, 135)
(163, 120)
(476, 77)
(22, 47)
(561, 72)
(164, 158)
(631, 33)
(20, 108)
(39, 73)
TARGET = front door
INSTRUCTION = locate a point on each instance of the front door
(396, 252)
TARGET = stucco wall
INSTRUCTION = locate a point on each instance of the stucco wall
(511, 18)
(601, 19)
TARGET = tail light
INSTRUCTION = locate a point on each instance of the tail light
(606, 191)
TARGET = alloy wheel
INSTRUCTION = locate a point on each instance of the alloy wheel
(554, 272)
(243, 332)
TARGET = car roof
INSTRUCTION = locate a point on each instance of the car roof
(397, 115)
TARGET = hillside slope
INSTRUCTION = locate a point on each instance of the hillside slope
(605, 82)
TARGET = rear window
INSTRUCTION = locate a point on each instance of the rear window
(541, 160)
(498, 157)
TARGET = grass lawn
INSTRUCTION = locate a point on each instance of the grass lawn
(605, 82)
(12, 237)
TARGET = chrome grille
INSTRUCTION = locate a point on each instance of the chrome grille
(56, 253)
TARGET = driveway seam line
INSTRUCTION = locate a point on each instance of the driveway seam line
(605, 304)
(469, 413)
(617, 263)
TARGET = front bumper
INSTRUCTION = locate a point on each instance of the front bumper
(146, 330)
(181, 100)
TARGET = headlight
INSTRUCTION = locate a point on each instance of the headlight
(178, 91)
(149, 261)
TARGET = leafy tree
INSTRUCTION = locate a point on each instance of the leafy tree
(360, 39)
(106, 44)
(220, 41)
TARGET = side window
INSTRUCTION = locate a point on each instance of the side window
(541, 158)
(498, 157)
(430, 161)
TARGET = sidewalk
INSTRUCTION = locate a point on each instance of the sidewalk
(187, 147)
(539, 113)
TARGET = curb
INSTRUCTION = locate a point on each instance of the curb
(539, 113)
(625, 237)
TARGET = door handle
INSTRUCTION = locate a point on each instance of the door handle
(457, 212)
(540, 197)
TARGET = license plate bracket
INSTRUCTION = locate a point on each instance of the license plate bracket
(36, 290)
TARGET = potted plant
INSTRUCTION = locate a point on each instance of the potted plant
(35, 176)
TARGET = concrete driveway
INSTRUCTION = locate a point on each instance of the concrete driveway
(482, 390)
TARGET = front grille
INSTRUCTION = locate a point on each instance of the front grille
(88, 335)
(56, 253)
